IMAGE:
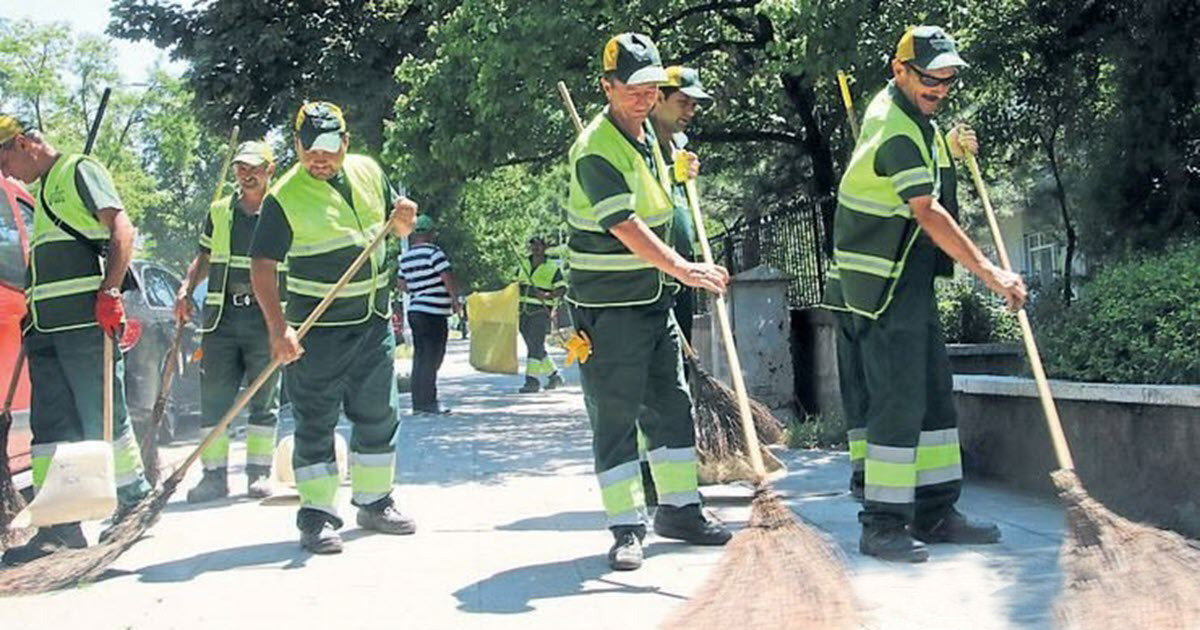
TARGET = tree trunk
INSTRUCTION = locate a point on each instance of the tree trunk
(824, 181)
(1060, 191)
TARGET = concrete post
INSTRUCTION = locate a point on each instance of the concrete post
(762, 329)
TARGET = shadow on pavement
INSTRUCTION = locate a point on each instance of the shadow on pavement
(515, 590)
(185, 569)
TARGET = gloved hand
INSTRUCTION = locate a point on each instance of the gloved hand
(110, 310)
(579, 348)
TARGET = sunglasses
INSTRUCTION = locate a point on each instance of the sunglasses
(928, 80)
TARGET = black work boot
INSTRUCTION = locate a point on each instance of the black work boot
(689, 524)
(958, 529)
(626, 551)
(554, 381)
(892, 543)
(46, 541)
(531, 386)
(258, 483)
(214, 485)
(317, 531)
(383, 517)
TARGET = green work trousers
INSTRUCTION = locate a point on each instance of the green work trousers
(895, 374)
(236, 352)
(67, 379)
(634, 378)
(854, 395)
(535, 325)
(346, 369)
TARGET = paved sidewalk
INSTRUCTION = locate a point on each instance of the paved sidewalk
(510, 535)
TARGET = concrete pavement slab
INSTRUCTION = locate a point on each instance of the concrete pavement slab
(510, 535)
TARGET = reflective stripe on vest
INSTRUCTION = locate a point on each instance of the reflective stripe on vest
(328, 233)
(221, 260)
(874, 228)
(604, 273)
(542, 278)
(63, 274)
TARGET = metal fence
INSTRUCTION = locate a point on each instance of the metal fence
(790, 240)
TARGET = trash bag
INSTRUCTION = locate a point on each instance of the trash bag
(493, 320)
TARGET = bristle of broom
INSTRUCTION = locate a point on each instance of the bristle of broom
(11, 501)
(73, 566)
(777, 573)
(150, 458)
(718, 428)
(1121, 574)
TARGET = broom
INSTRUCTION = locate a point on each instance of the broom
(718, 433)
(150, 458)
(1116, 573)
(776, 573)
(70, 566)
(11, 501)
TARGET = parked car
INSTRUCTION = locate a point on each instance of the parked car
(149, 331)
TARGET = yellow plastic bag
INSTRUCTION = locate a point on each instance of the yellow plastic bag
(493, 320)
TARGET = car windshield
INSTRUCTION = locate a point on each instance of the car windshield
(12, 255)
(159, 287)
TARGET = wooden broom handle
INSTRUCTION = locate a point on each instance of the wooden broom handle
(753, 449)
(307, 325)
(1062, 451)
(14, 380)
(107, 396)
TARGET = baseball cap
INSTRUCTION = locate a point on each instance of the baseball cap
(928, 47)
(10, 127)
(423, 224)
(254, 153)
(688, 82)
(320, 126)
(633, 59)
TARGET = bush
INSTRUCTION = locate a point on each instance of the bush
(971, 316)
(1137, 321)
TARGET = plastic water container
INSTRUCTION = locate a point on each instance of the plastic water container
(80, 486)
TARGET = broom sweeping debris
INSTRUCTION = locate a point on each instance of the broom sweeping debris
(70, 566)
(776, 573)
(11, 501)
(1117, 574)
(720, 445)
(150, 458)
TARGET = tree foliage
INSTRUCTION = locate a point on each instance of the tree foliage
(161, 158)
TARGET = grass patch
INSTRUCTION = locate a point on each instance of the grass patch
(816, 431)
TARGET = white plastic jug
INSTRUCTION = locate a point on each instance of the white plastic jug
(284, 473)
(80, 486)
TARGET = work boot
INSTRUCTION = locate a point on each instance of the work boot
(258, 485)
(893, 544)
(383, 517)
(46, 541)
(554, 381)
(958, 529)
(318, 531)
(214, 485)
(689, 524)
(626, 551)
(531, 386)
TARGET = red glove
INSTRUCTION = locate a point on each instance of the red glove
(110, 310)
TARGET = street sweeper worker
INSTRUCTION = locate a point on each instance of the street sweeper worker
(623, 278)
(73, 298)
(318, 217)
(893, 230)
(542, 286)
(235, 345)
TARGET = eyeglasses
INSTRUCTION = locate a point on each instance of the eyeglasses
(928, 80)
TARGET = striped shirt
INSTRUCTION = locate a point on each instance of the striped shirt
(422, 267)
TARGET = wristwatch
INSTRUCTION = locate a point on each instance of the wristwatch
(112, 292)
